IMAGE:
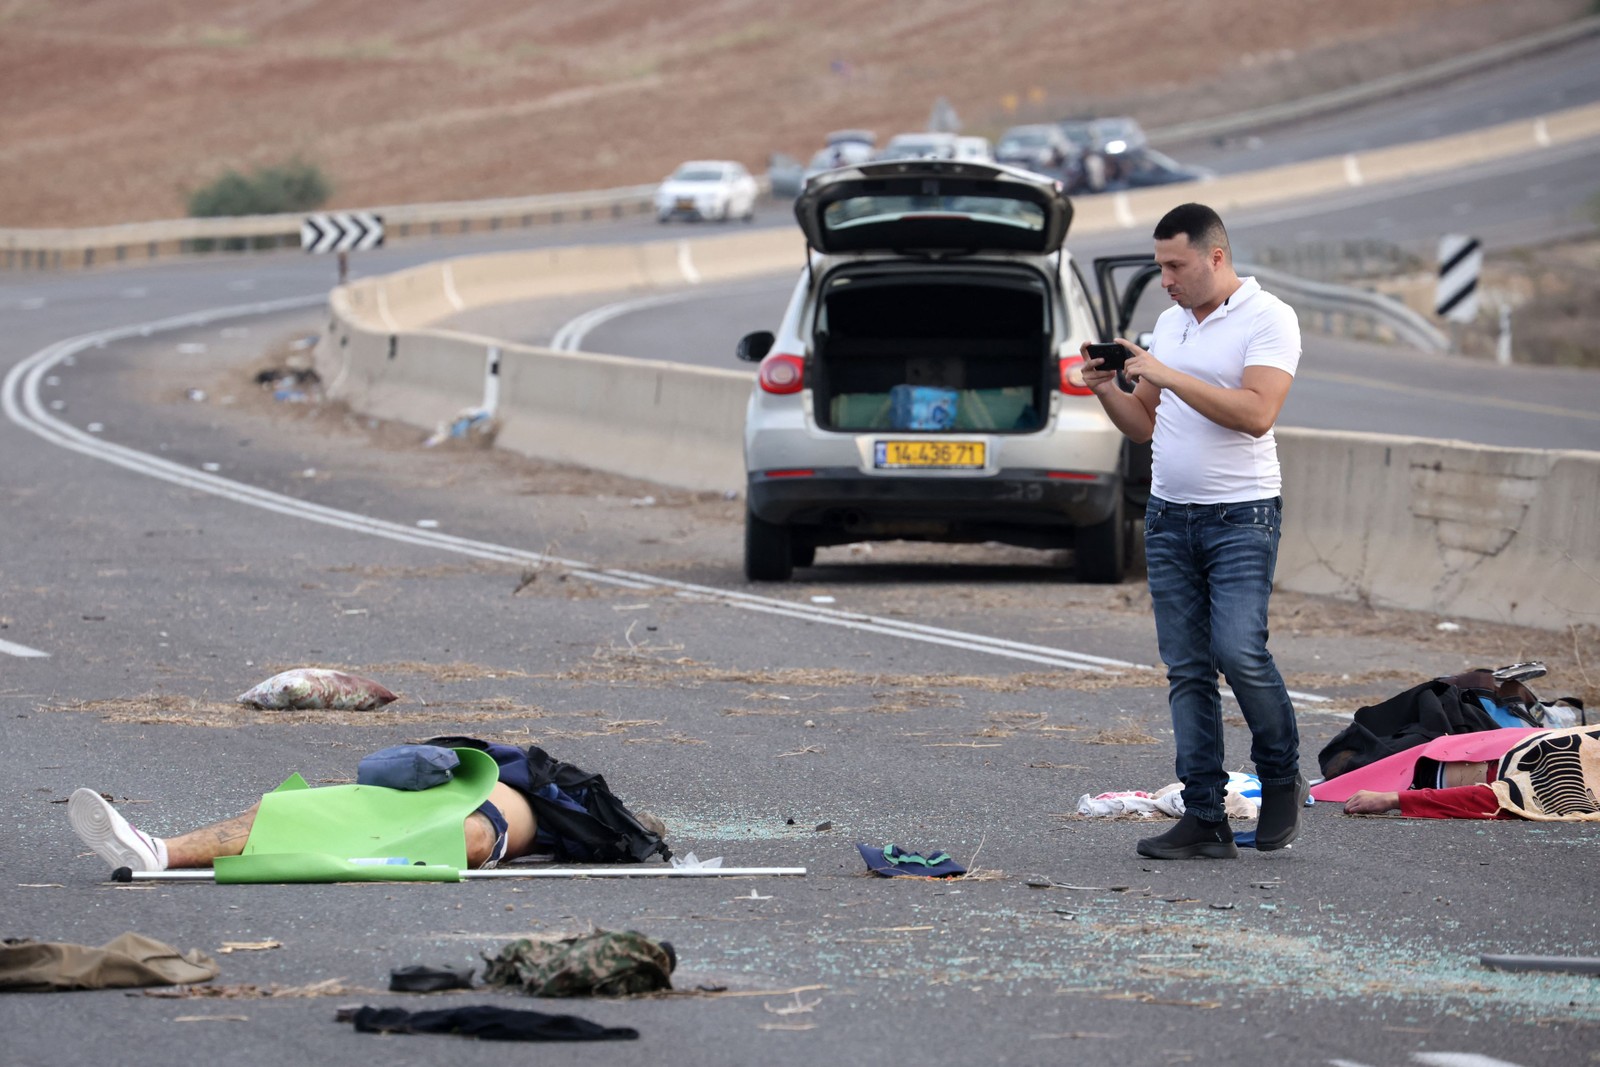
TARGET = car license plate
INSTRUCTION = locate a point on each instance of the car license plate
(929, 455)
(686, 205)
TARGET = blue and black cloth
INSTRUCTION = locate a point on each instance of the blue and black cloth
(891, 861)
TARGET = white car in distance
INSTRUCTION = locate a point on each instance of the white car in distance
(719, 189)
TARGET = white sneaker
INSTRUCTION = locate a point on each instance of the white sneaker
(110, 835)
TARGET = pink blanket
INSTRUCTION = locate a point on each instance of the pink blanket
(1394, 773)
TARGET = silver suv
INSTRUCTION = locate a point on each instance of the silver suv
(925, 383)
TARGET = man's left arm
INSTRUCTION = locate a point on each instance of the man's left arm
(1252, 408)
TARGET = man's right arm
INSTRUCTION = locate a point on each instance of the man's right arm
(1133, 413)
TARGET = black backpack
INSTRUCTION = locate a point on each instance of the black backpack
(579, 818)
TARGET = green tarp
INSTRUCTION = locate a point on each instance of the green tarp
(311, 835)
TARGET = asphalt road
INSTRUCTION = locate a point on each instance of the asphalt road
(1564, 77)
(955, 710)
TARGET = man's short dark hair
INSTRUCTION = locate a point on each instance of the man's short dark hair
(1197, 222)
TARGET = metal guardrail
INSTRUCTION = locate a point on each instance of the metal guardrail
(1345, 310)
(68, 249)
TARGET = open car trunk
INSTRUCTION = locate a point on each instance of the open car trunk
(933, 351)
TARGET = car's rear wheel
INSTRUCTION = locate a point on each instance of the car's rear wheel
(768, 550)
(1101, 554)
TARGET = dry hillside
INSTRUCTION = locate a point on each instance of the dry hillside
(116, 109)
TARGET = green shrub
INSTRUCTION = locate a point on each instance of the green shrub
(293, 186)
(276, 190)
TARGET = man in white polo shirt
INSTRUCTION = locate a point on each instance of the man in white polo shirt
(1228, 353)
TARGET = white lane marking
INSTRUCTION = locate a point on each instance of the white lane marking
(1541, 133)
(569, 338)
(22, 381)
(1346, 1063)
(1123, 210)
(1459, 1059)
(450, 293)
(1352, 170)
(22, 651)
(686, 264)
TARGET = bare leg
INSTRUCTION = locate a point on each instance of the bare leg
(198, 848)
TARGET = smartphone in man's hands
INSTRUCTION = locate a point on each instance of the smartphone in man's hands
(1111, 355)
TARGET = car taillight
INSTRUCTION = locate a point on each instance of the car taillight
(1072, 376)
(782, 373)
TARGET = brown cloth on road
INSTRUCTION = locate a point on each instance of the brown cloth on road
(127, 960)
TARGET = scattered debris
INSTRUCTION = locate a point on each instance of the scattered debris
(96, 427)
(642, 502)
(428, 524)
(295, 385)
(1558, 964)
(197, 395)
(891, 861)
(1448, 627)
(799, 1007)
(825, 825)
(311, 687)
(475, 423)
(823, 600)
(247, 946)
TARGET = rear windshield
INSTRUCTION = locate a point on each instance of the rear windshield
(919, 148)
(876, 210)
(698, 174)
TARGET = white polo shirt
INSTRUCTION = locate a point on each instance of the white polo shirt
(1197, 461)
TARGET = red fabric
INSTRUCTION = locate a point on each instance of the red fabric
(1459, 802)
(1394, 773)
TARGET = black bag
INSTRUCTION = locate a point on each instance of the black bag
(1450, 705)
(579, 818)
(1418, 715)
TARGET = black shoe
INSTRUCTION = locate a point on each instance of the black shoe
(1192, 839)
(1281, 806)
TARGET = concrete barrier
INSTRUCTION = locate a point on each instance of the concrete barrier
(1509, 535)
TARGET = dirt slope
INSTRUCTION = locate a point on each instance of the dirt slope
(116, 109)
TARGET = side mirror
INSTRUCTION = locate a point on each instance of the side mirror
(753, 347)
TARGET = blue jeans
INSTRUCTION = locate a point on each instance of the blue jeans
(1210, 578)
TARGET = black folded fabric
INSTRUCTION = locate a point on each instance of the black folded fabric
(419, 978)
(484, 1022)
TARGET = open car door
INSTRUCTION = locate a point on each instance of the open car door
(1121, 281)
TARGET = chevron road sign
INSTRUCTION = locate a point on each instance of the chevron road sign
(1460, 263)
(341, 231)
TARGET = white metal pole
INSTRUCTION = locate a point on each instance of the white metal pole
(1502, 351)
(208, 875)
